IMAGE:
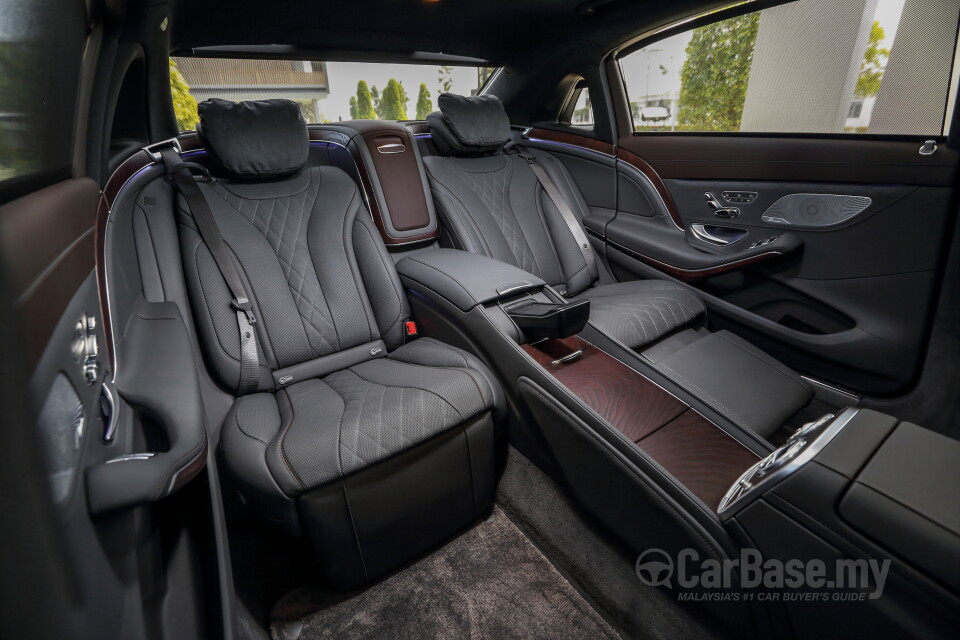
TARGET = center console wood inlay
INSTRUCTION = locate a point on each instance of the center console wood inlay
(703, 457)
(624, 398)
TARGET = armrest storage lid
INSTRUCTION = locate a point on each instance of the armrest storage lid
(905, 498)
(466, 279)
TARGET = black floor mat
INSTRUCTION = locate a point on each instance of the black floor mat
(491, 582)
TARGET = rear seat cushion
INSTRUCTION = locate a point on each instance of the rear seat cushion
(318, 431)
(641, 311)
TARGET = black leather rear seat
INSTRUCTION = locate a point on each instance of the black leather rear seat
(491, 203)
(379, 460)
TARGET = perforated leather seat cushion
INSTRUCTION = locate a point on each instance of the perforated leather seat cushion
(641, 311)
(318, 431)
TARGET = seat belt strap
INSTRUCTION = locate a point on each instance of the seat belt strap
(576, 228)
(179, 171)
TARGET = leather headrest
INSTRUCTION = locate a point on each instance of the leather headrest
(472, 125)
(256, 139)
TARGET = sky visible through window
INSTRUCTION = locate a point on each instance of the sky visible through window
(326, 91)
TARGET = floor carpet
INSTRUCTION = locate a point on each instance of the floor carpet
(491, 582)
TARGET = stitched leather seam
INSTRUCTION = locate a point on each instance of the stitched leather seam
(386, 270)
(391, 386)
(283, 437)
(716, 403)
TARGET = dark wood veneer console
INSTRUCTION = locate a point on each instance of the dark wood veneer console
(691, 448)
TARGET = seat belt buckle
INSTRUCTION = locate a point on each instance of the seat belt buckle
(410, 328)
(244, 305)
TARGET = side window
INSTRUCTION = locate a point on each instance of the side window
(578, 111)
(810, 66)
(38, 88)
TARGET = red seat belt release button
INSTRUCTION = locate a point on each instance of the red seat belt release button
(411, 327)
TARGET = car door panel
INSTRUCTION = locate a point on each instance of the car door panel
(849, 303)
(117, 558)
(853, 304)
(855, 159)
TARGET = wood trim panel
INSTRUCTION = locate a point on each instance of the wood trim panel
(377, 213)
(627, 156)
(190, 141)
(647, 169)
(47, 240)
(115, 183)
(572, 139)
(400, 179)
(688, 156)
(621, 396)
(692, 275)
(704, 458)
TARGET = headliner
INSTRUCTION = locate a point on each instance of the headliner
(501, 31)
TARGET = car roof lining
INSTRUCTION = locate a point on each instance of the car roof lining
(504, 32)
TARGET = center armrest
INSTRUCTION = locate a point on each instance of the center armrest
(466, 279)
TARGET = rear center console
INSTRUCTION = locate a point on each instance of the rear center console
(663, 470)
(859, 489)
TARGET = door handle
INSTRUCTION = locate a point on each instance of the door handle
(718, 209)
(722, 236)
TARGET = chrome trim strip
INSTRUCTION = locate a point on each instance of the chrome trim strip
(699, 230)
(819, 383)
(131, 457)
(567, 358)
(493, 77)
(565, 144)
(396, 147)
(733, 502)
(110, 429)
(507, 289)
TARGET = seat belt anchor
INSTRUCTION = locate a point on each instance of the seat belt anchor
(244, 305)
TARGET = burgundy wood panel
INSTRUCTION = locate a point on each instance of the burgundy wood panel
(114, 183)
(573, 139)
(702, 457)
(47, 241)
(646, 169)
(399, 175)
(691, 448)
(377, 214)
(623, 397)
(692, 275)
(808, 159)
(623, 154)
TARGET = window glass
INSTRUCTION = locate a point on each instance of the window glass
(810, 66)
(40, 52)
(326, 91)
(582, 115)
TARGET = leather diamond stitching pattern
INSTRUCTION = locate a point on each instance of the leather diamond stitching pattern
(493, 189)
(639, 323)
(378, 421)
(283, 222)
